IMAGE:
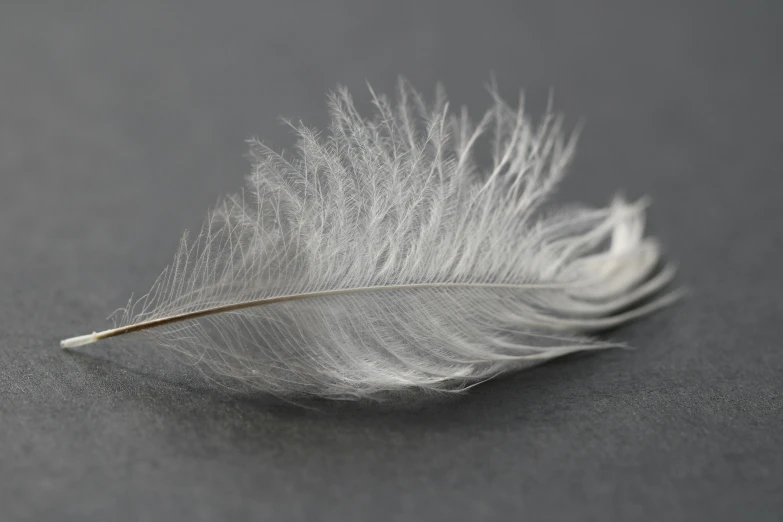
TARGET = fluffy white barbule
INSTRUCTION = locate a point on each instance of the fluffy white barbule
(382, 256)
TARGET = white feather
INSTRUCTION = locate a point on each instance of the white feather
(382, 257)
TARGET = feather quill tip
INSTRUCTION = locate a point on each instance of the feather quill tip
(80, 340)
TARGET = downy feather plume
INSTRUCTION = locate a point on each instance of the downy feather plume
(382, 257)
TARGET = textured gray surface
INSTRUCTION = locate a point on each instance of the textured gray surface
(120, 125)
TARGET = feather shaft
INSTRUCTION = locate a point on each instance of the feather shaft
(82, 340)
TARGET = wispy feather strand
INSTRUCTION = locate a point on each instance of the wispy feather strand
(380, 257)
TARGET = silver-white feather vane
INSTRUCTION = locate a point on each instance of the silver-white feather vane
(381, 257)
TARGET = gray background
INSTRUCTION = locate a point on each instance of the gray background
(121, 124)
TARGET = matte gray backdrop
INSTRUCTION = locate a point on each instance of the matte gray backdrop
(119, 126)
